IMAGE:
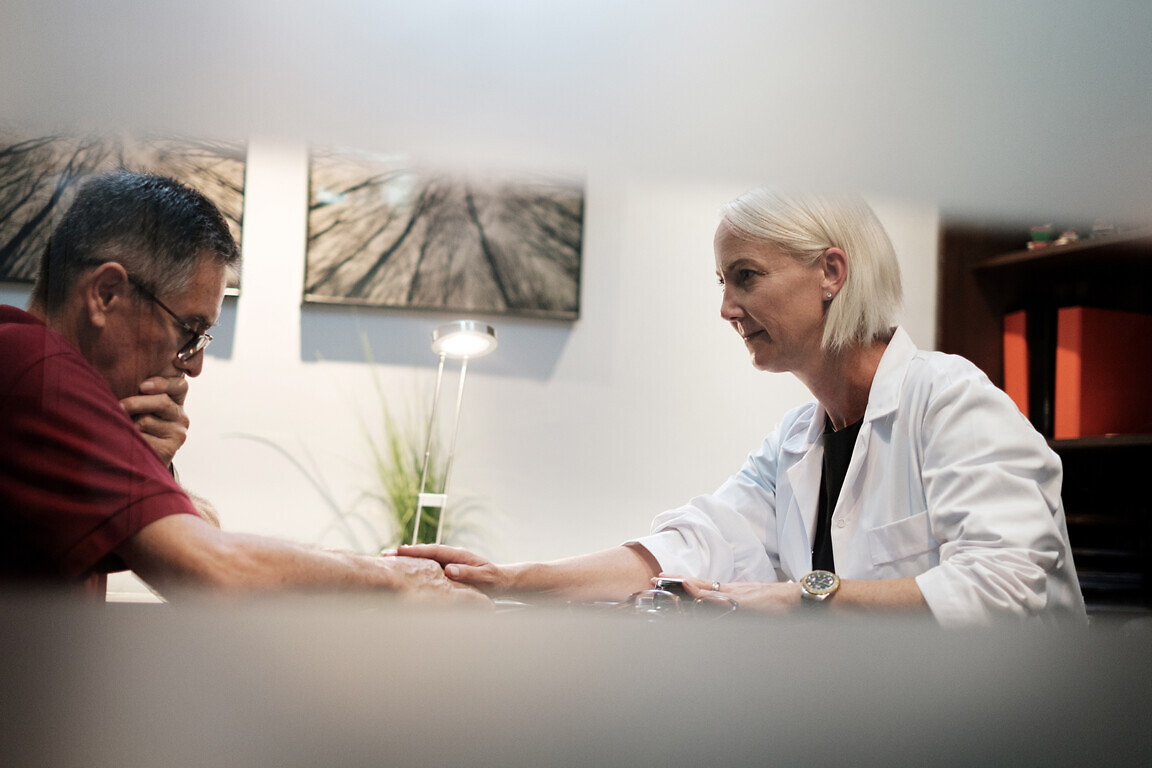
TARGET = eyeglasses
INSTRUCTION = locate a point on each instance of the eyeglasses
(198, 341)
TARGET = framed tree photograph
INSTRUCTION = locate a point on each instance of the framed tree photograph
(383, 234)
(40, 176)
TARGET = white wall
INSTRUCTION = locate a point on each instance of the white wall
(573, 434)
(1034, 106)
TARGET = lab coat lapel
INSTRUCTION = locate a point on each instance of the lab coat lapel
(882, 402)
(804, 479)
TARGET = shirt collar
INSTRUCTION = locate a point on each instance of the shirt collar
(883, 397)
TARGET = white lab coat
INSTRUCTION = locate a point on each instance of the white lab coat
(948, 483)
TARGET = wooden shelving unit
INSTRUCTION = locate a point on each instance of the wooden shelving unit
(984, 274)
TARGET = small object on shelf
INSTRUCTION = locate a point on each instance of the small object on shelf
(1103, 228)
(1041, 236)
(1067, 237)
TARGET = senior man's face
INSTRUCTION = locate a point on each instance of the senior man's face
(148, 342)
(773, 301)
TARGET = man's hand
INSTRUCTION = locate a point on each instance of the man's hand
(460, 565)
(423, 579)
(158, 412)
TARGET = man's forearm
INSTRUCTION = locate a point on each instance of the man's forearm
(182, 553)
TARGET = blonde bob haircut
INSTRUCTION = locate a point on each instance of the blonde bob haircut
(804, 227)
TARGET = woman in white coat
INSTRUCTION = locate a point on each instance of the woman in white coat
(910, 484)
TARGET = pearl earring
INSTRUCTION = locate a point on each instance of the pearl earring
(828, 295)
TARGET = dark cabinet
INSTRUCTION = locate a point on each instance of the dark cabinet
(985, 273)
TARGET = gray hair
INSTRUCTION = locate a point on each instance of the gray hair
(804, 227)
(159, 229)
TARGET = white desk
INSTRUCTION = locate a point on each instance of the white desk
(346, 683)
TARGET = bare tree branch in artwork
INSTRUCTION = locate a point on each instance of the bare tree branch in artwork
(214, 168)
(381, 234)
(40, 176)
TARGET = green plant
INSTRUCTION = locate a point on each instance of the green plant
(398, 455)
(398, 459)
(384, 513)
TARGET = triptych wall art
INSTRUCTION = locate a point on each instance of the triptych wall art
(381, 232)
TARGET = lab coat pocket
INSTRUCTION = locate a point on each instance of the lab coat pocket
(901, 539)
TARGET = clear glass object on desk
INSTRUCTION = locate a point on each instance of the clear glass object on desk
(658, 604)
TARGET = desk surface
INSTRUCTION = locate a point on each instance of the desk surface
(348, 683)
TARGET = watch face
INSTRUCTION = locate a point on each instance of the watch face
(819, 582)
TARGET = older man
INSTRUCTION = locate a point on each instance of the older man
(129, 286)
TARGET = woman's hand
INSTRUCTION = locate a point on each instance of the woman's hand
(766, 597)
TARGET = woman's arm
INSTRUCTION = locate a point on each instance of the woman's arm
(890, 595)
(611, 574)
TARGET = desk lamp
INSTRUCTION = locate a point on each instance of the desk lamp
(461, 340)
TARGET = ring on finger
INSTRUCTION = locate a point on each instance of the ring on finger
(715, 586)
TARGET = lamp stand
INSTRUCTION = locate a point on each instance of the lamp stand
(439, 500)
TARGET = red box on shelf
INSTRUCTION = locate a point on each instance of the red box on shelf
(1103, 373)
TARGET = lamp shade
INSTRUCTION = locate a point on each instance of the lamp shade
(464, 338)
